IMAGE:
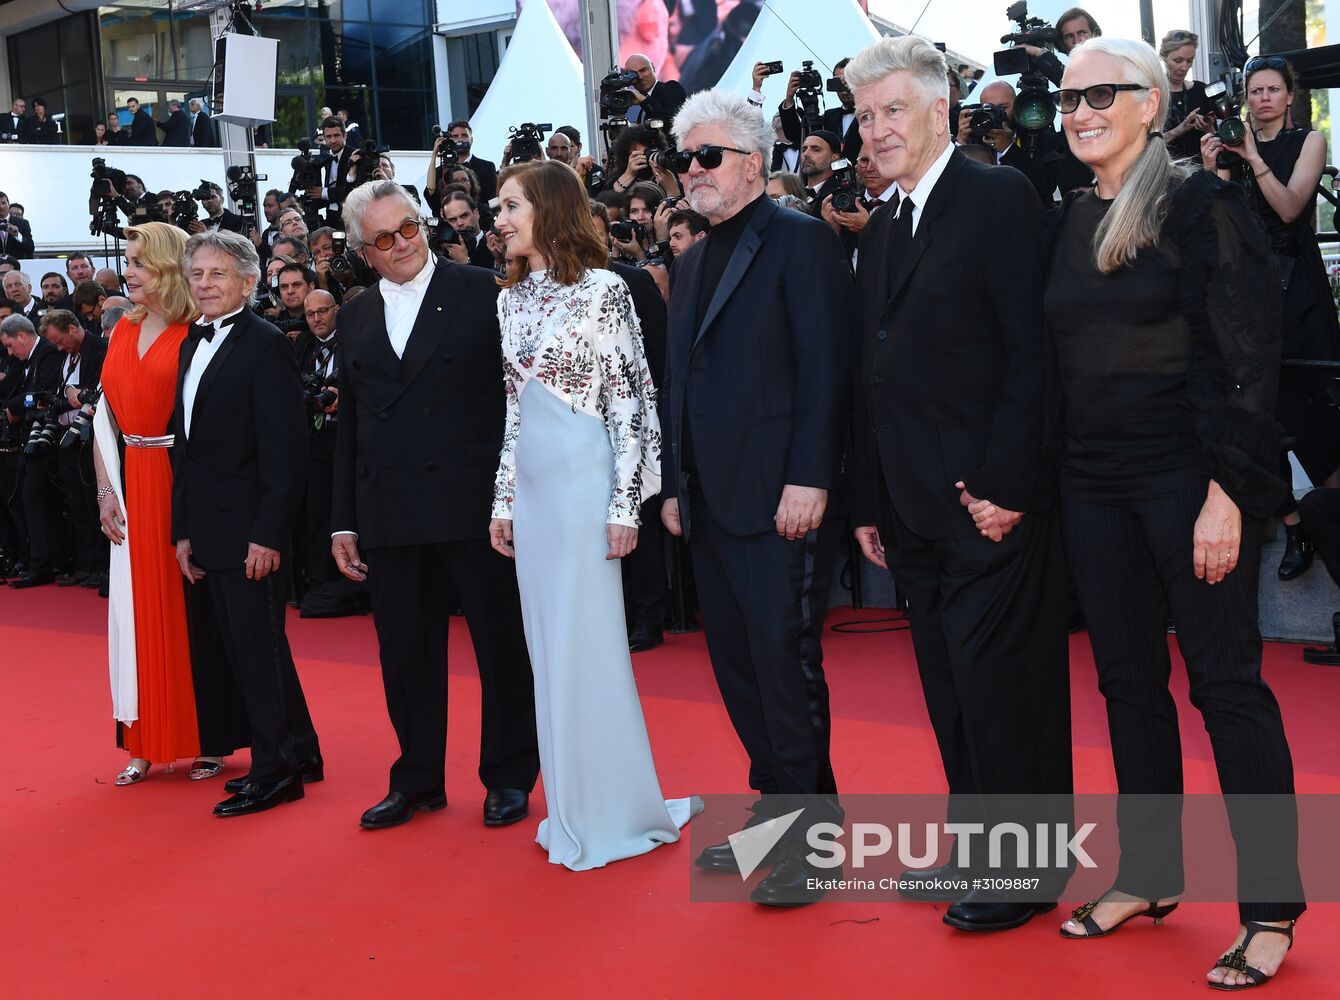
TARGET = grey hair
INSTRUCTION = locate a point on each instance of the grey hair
(245, 259)
(1136, 216)
(110, 317)
(26, 280)
(356, 205)
(907, 53)
(15, 324)
(742, 121)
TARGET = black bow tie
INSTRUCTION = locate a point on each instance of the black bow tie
(206, 331)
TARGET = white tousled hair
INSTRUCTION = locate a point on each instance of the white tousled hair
(907, 53)
(356, 205)
(742, 121)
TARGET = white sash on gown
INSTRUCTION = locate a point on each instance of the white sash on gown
(120, 607)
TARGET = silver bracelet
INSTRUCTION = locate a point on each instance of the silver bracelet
(104, 492)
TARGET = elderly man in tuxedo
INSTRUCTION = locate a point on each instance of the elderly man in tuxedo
(420, 429)
(755, 409)
(949, 430)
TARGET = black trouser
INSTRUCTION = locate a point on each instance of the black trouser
(409, 586)
(315, 521)
(74, 467)
(1321, 510)
(646, 592)
(41, 510)
(751, 593)
(13, 529)
(237, 626)
(1132, 563)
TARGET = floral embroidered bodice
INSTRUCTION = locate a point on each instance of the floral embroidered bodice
(582, 343)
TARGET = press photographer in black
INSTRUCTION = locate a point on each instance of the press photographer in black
(841, 121)
(72, 407)
(330, 194)
(1285, 166)
(217, 216)
(296, 282)
(653, 100)
(470, 244)
(25, 410)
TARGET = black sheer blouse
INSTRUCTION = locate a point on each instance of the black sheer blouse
(1167, 368)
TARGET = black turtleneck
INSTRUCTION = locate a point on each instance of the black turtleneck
(721, 242)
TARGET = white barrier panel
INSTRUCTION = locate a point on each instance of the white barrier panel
(52, 182)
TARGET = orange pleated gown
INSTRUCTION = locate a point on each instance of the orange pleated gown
(142, 393)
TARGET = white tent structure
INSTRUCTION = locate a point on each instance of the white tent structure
(793, 31)
(539, 80)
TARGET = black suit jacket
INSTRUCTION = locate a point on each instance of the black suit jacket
(650, 309)
(793, 128)
(419, 436)
(229, 220)
(664, 100)
(40, 133)
(762, 384)
(238, 477)
(142, 130)
(91, 356)
(21, 245)
(203, 131)
(42, 373)
(951, 360)
(12, 127)
(487, 172)
(177, 129)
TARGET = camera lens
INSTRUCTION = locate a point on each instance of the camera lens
(1231, 131)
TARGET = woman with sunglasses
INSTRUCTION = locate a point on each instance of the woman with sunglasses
(1286, 165)
(1190, 110)
(581, 452)
(1165, 335)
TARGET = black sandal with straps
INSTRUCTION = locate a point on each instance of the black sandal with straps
(1237, 958)
(1094, 930)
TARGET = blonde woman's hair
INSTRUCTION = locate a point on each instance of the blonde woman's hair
(160, 247)
(1175, 39)
(1136, 216)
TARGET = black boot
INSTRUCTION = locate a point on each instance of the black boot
(1298, 552)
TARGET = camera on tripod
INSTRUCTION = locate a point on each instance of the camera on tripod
(184, 210)
(615, 97)
(809, 95)
(1033, 107)
(241, 181)
(527, 141)
(451, 151)
(102, 196)
(309, 169)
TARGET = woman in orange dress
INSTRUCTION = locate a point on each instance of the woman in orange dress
(154, 699)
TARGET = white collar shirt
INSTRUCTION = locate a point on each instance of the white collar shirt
(922, 192)
(402, 304)
(195, 371)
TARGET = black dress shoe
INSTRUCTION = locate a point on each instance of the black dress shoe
(71, 579)
(953, 887)
(94, 581)
(794, 882)
(1298, 551)
(980, 910)
(33, 580)
(643, 638)
(312, 770)
(503, 806)
(257, 796)
(398, 807)
(721, 858)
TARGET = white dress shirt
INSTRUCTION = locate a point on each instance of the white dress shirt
(204, 354)
(922, 192)
(402, 305)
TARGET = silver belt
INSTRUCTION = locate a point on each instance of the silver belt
(139, 441)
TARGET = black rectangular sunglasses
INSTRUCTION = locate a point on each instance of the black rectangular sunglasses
(708, 157)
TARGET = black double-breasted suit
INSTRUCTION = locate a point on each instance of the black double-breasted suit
(238, 471)
(415, 458)
(755, 400)
(951, 389)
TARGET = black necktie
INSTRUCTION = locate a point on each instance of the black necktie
(901, 238)
(323, 352)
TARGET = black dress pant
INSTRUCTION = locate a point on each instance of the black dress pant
(1321, 511)
(41, 511)
(752, 597)
(74, 467)
(13, 527)
(646, 590)
(409, 587)
(238, 646)
(1132, 563)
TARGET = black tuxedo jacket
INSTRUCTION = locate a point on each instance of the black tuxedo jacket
(487, 172)
(91, 356)
(793, 128)
(12, 127)
(663, 101)
(177, 129)
(951, 360)
(142, 130)
(202, 132)
(239, 476)
(419, 436)
(20, 246)
(42, 373)
(762, 384)
(229, 220)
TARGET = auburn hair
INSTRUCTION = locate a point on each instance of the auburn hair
(160, 249)
(561, 222)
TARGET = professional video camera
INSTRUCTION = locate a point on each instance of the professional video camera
(184, 210)
(102, 197)
(1033, 107)
(809, 96)
(528, 141)
(316, 391)
(1229, 126)
(80, 429)
(985, 118)
(242, 189)
(309, 171)
(369, 159)
(848, 191)
(615, 97)
(451, 151)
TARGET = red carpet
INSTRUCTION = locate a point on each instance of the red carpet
(119, 892)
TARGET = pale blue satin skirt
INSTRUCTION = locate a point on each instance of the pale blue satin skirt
(600, 784)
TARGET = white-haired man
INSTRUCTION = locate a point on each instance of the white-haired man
(755, 405)
(420, 428)
(949, 429)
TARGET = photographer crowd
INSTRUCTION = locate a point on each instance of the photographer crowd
(709, 358)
